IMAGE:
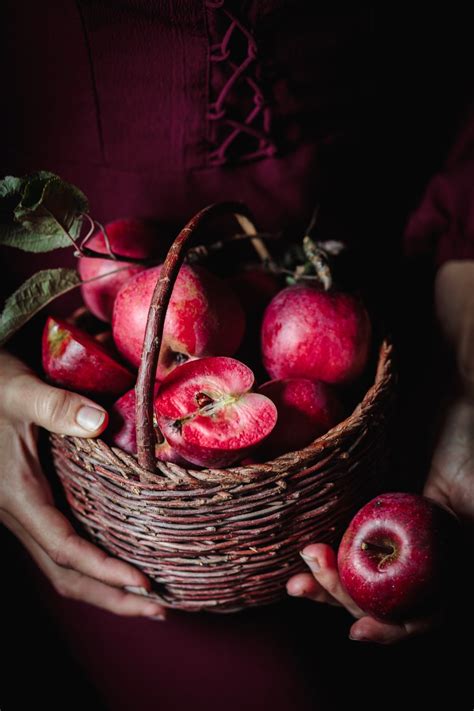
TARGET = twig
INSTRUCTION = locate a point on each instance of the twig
(91, 229)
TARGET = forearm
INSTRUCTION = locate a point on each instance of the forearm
(454, 303)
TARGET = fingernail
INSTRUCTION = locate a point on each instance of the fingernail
(355, 638)
(135, 590)
(156, 614)
(296, 593)
(314, 562)
(90, 418)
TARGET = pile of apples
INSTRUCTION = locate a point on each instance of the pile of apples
(207, 404)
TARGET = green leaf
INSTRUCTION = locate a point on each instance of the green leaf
(36, 292)
(40, 212)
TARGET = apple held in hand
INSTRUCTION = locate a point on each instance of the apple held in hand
(77, 361)
(128, 238)
(306, 410)
(203, 318)
(395, 557)
(207, 413)
(320, 335)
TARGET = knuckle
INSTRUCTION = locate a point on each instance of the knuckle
(332, 585)
(60, 554)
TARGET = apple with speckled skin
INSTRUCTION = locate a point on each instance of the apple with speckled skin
(131, 237)
(306, 410)
(203, 318)
(315, 334)
(208, 414)
(396, 555)
(75, 360)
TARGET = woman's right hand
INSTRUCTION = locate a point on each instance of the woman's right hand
(76, 568)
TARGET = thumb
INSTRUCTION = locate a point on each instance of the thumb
(55, 409)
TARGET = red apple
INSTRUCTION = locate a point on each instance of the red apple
(121, 431)
(166, 453)
(306, 410)
(308, 333)
(77, 361)
(207, 413)
(394, 558)
(203, 318)
(129, 238)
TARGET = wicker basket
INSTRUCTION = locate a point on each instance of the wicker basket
(222, 540)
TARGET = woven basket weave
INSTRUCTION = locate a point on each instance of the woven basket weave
(223, 539)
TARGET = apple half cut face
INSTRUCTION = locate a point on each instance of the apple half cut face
(207, 412)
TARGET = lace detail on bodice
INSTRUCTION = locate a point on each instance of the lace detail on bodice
(239, 116)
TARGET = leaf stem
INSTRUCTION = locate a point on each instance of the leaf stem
(91, 229)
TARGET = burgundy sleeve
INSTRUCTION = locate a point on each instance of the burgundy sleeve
(443, 223)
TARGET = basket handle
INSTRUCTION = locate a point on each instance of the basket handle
(146, 432)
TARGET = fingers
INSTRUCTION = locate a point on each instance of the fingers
(367, 629)
(305, 585)
(56, 536)
(321, 560)
(28, 399)
(324, 585)
(77, 586)
(31, 505)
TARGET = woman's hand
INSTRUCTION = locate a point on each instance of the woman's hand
(76, 568)
(451, 477)
(323, 584)
(450, 481)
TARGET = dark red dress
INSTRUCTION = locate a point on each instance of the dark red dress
(156, 107)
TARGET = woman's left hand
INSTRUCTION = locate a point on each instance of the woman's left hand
(323, 584)
(450, 481)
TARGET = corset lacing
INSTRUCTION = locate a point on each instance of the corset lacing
(238, 108)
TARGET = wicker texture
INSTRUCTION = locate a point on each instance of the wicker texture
(227, 539)
(222, 540)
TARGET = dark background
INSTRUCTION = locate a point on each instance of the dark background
(422, 86)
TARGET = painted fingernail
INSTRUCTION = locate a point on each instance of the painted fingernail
(313, 561)
(90, 418)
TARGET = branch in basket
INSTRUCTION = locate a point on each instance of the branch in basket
(114, 257)
(202, 251)
(194, 254)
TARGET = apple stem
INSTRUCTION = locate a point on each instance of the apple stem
(377, 548)
(146, 436)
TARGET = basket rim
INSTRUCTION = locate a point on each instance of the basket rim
(169, 473)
